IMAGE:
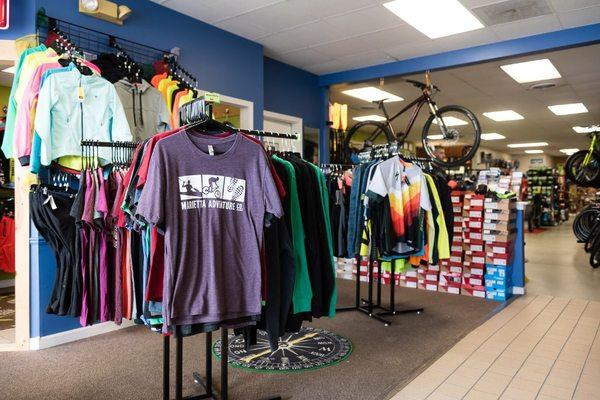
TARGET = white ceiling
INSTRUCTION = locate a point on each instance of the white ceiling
(485, 87)
(324, 36)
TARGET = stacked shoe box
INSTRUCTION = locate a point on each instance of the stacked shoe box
(409, 278)
(472, 282)
(499, 234)
(345, 268)
(450, 271)
(428, 277)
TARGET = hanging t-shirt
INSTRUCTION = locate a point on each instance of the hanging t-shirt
(211, 197)
(407, 190)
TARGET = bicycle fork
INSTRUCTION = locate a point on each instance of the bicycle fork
(588, 156)
(440, 121)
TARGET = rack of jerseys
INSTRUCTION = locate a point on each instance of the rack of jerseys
(56, 101)
(398, 212)
(339, 183)
(79, 216)
(175, 92)
(236, 237)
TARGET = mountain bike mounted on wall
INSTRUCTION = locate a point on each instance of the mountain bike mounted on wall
(447, 130)
(583, 167)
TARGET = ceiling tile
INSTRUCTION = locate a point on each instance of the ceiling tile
(302, 36)
(372, 57)
(325, 68)
(467, 39)
(249, 30)
(585, 16)
(216, 10)
(411, 50)
(567, 5)
(527, 27)
(365, 20)
(304, 57)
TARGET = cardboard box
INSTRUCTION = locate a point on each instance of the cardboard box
(474, 223)
(492, 283)
(504, 204)
(432, 276)
(500, 225)
(456, 247)
(427, 285)
(411, 273)
(458, 219)
(499, 215)
(473, 280)
(457, 209)
(474, 201)
(473, 290)
(498, 259)
(408, 282)
(457, 229)
(456, 196)
(498, 295)
(474, 213)
(473, 234)
(450, 277)
(498, 271)
(474, 269)
(498, 248)
(432, 267)
(496, 236)
(474, 246)
(456, 258)
(453, 288)
(475, 258)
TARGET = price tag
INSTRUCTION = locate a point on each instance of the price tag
(211, 150)
(80, 94)
(212, 97)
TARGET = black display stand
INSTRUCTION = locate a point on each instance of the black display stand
(206, 383)
(368, 306)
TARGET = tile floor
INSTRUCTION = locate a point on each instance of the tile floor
(544, 345)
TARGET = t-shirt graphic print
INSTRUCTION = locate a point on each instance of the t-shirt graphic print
(212, 191)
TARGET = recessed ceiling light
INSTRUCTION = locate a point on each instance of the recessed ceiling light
(567, 109)
(536, 144)
(371, 93)
(369, 118)
(435, 137)
(569, 151)
(531, 71)
(435, 18)
(586, 129)
(505, 115)
(452, 121)
(535, 151)
(492, 136)
(10, 70)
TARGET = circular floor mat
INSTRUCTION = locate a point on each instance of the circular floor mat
(309, 349)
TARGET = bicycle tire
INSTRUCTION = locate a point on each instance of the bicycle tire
(474, 147)
(590, 177)
(593, 241)
(348, 150)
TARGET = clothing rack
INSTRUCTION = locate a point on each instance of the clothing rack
(179, 72)
(94, 42)
(368, 306)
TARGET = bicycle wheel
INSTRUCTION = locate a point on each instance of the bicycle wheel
(459, 143)
(362, 136)
(588, 175)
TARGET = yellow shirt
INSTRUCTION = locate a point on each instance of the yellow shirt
(162, 87)
(30, 64)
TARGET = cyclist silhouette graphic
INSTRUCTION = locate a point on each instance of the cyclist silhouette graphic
(212, 187)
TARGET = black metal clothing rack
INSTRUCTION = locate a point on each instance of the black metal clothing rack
(96, 42)
(368, 306)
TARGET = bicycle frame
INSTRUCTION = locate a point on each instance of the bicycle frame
(593, 146)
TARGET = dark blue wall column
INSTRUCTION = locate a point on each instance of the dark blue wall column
(323, 128)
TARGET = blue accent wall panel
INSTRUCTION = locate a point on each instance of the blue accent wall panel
(292, 91)
(41, 278)
(21, 19)
(222, 62)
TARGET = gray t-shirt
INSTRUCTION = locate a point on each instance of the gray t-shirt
(210, 196)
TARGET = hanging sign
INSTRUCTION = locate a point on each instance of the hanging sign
(212, 97)
(4, 13)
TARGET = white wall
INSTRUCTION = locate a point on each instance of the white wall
(495, 155)
(526, 161)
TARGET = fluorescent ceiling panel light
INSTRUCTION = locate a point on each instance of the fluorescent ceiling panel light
(535, 151)
(10, 70)
(492, 136)
(535, 144)
(435, 18)
(531, 71)
(569, 151)
(371, 93)
(505, 115)
(586, 129)
(567, 109)
(369, 118)
(452, 121)
(435, 137)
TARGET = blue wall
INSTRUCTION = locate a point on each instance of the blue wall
(292, 91)
(21, 19)
(222, 62)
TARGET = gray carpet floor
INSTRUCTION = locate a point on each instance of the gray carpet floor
(127, 364)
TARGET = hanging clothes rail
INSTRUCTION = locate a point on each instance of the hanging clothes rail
(94, 42)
